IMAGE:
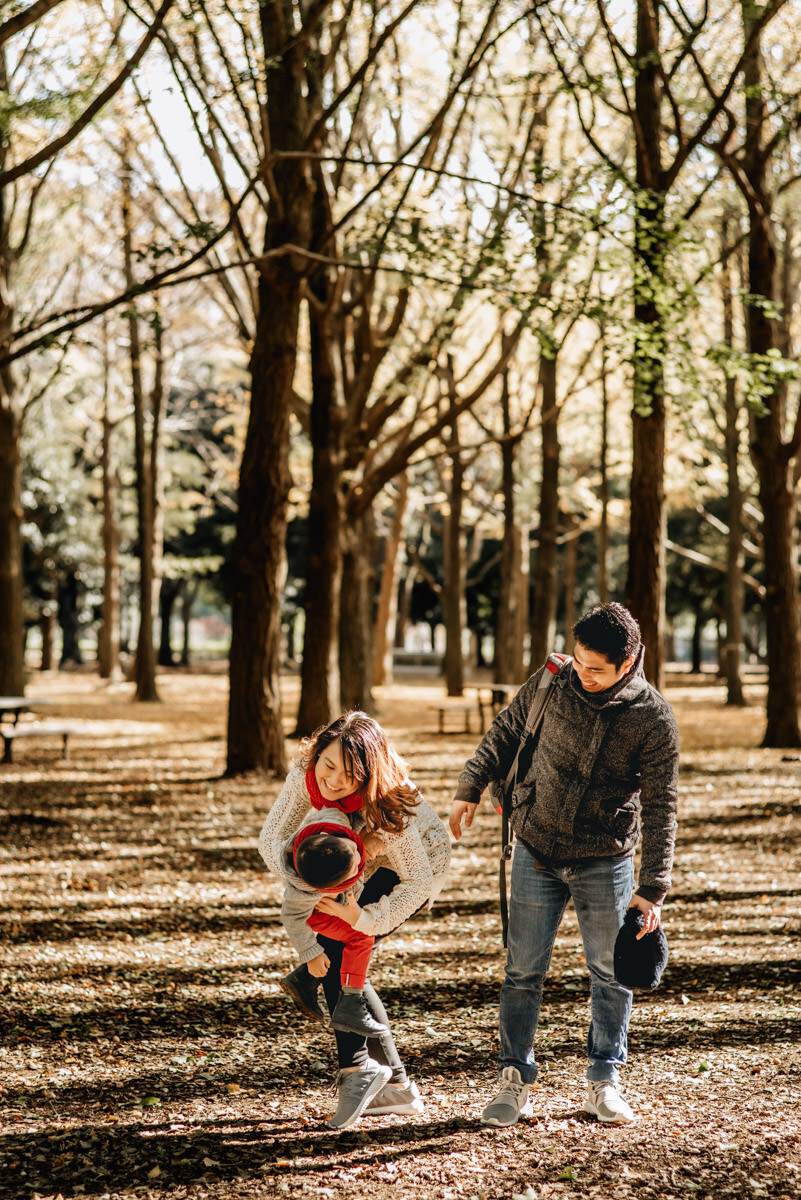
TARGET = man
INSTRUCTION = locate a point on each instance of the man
(603, 773)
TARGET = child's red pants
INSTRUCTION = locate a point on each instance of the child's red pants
(357, 947)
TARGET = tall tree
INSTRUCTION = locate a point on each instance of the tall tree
(12, 672)
(23, 177)
(652, 80)
(774, 446)
(735, 589)
(255, 726)
(645, 581)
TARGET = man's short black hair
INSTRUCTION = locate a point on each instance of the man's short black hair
(611, 630)
(325, 859)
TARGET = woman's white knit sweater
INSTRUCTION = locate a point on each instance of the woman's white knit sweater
(419, 856)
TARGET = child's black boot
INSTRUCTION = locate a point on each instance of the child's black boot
(351, 1015)
(302, 987)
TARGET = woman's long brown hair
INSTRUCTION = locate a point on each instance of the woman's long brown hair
(378, 772)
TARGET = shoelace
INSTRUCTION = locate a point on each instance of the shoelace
(515, 1090)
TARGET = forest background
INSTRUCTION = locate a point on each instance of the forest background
(338, 322)
(345, 314)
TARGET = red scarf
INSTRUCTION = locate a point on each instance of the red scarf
(338, 831)
(348, 804)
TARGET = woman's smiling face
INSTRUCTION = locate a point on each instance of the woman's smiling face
(333, 779)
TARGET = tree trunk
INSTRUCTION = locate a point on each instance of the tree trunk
(645, 581)
(255, 729)
(454, 600)
(386, 618)
(145, 657)
(699, 621)
(509, 666)
(357, 614)
(770, 453)
(108, 650)
(12, 670)
(569, 576)
(188, 598)
(320, 681)
(546, 578)
(603, 522)
(404, 607)
(732, 656)
(12, 635)
(169, 592)
(46, 622)
(69, 620)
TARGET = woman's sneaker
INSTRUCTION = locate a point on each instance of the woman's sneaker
(511, 1103)
(402, 1098)
(356, 1090)
(605, 1102)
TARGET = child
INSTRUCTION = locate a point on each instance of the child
(327, 857)
(350, 766)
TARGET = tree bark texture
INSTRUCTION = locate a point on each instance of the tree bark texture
(732, 655)
(508, 666)
(169, 593)
(357, 615)
(645, 581)
(387, 606)
(255, 729)
(569, 576)
(145, 658)
(603, 521)
(546, 577)
(454, 600)
(320, 680)
(108, 650)
(770, 452)
(12, 665)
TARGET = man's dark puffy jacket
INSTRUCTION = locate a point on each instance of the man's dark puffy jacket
(605, 770)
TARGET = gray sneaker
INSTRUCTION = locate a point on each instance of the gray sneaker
(511, 1103)
(356, 1090)
(605, 1102)
(403, 1098)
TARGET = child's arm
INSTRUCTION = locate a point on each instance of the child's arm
(296, 909)
(283, 819)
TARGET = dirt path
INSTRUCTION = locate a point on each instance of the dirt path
(147, 1052)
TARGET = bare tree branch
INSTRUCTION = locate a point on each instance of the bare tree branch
(53, 148)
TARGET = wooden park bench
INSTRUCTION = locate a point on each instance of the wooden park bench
(34, 729)
(461, 707)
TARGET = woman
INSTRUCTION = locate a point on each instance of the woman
(350, 764)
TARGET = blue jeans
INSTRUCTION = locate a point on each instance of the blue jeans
(601, 889)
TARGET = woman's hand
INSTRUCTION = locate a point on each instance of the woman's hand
(347, 910)
(374, 845)
(318, 966)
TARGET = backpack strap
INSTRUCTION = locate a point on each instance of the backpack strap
(553, 665)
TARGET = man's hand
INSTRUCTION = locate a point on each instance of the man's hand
(650, 910)
(459, 809)
(347, 910)
(318, 967)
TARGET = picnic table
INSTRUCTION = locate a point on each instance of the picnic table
(14, 707)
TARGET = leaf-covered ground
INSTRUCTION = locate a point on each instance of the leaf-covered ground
(147, 1052)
